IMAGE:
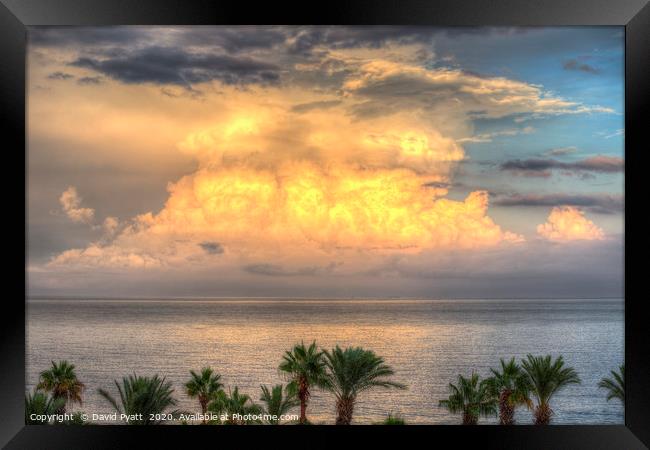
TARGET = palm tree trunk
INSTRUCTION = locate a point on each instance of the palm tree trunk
(303, 410)
(543, 414)
(61, 410)
(303, 395)
(506, 410)
(469, 419)
(204, 408)
(344, 409)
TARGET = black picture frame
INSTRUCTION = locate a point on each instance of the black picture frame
(16, 15)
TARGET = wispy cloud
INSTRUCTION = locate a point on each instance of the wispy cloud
(304, 107)
(60, 76)
(595, 203)
(89, 80)
(574, 64)
(618, 132)
(539, 167)
(561, 151)
(212, 248)
(274, 270)
(488, 137)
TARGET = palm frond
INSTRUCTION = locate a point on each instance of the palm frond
(548, 377)
(615, 385)
(471, 396)
(142, 395)
(62, 381)
(354, 370)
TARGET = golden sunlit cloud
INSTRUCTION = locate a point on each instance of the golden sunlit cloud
(71, 202)
(567, 223)
(298, 209)
(309, 174)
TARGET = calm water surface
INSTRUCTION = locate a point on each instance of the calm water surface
(427, 342)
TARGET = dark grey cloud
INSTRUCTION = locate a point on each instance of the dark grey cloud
(89, 80)
(484, 31)
(595, 203)
(187, 55)
(230, 39)
(573, 64)
(62, 36)
(274, 270)
(407, 91)
(304, 107)
(535, 269)
(241, 38)
(212, 248)
(170, 65)
(60, 76)
(540, 167)
(406, 86)
(325, 73)
(437, 185)
(304, 39)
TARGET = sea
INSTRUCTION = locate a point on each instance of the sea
(428, 343)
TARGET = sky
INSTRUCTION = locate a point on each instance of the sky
(325, 162)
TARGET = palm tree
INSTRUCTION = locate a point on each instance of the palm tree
(303, 367)
(512, 386)
(61, 380)
(352, 371)
(236, 406)
(472, 398)
(140, 397)
(41, 404)
(547, 378)
(615, 385)
(203, 386)
(276, 403)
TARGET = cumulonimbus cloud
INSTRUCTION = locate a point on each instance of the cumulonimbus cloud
(254, 194)
(298, 210)
(360, 169)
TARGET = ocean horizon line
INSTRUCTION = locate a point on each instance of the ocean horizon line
(304, 298)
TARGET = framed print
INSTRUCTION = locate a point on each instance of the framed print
(378, 214)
